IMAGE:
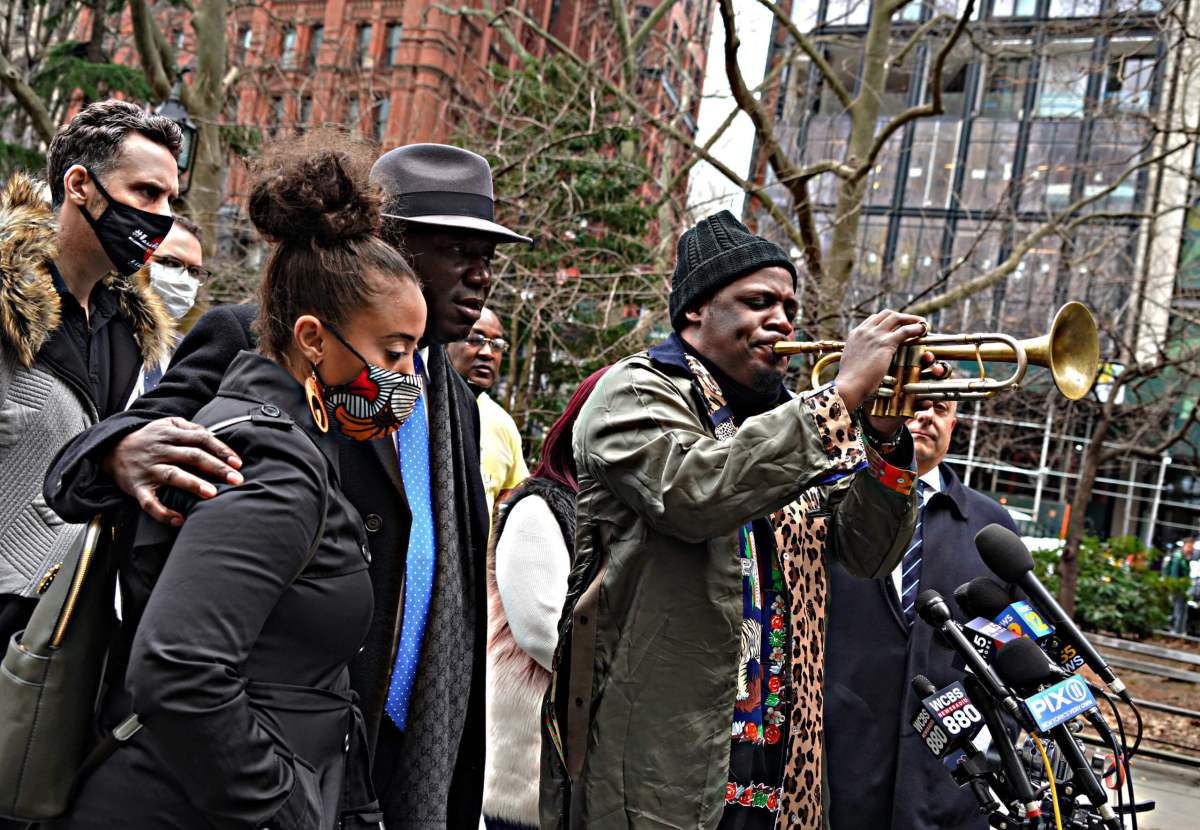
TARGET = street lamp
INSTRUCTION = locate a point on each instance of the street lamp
(173, 109)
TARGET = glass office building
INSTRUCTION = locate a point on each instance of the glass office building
(1047, 104)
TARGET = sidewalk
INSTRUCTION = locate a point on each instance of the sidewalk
(1176, 791)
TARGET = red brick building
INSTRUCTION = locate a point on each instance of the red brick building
(403, 71)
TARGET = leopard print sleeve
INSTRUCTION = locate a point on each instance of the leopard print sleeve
(840, 436)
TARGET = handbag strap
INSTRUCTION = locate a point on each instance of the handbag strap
(131, 725)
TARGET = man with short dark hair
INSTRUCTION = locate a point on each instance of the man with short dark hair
(419, 675)
(477, 358)
(77, 317)
(880, 773)
(688, 677)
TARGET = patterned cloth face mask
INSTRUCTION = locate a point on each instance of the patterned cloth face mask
(371, 406)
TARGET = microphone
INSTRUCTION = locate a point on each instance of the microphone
(987, 599)
(968, 765)
(923, 686)
(934, 611)
(1006, 555)
(983, 597)
(1026, 667)
(947, 720)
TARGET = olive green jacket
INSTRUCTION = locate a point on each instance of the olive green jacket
(640, 707)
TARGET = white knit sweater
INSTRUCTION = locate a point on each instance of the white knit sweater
(527, 584)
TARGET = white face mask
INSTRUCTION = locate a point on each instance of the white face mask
(175, 287)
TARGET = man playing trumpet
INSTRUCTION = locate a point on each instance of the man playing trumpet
(688, 678)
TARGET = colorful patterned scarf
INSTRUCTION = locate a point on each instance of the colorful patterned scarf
(798, 571)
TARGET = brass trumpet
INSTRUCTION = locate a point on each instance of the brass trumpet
(1071, 351)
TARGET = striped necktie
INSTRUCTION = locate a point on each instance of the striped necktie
(412, 447)
(910, 566)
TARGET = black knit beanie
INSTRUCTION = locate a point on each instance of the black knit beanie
(719, 250)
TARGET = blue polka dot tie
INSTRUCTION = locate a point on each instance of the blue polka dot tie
(412, 448)
(150, 377)
(910, 566)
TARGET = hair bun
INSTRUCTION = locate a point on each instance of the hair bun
(321, 198)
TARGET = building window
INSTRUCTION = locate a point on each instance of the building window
(1063, 85)
(276, 114)
(1129, 83)
(849, 12)
(245, 40)
(316, 36)
(1014, 8)
(911, 12)
(287, 50)
(1051, 157)
(362, 46)
(1005, 90)
(469, 37)
(383, 108)
(306, 111)
(392, 55)
(353, 115)
(1074, 8)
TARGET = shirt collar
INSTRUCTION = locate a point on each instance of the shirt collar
(103, 303)
(424, 353)
(933, 481)
(670, 352)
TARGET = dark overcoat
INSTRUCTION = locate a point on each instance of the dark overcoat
(880, 774)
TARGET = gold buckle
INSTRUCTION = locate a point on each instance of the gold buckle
(48, 577)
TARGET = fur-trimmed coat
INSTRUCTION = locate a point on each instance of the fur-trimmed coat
(41, 406)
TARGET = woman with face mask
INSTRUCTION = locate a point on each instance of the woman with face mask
(238, 627)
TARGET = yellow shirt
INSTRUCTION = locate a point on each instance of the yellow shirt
(500, 460)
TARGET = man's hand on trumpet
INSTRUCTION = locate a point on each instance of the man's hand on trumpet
(867, 356)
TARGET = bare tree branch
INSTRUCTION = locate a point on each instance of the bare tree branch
(933, 107)
(791, 178)
(918, 35)
(811, 49)
(28, 98)
(151, 46)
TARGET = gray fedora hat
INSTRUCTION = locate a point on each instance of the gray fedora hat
(436, 184)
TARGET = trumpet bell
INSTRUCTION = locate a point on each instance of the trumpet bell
(1072, 351)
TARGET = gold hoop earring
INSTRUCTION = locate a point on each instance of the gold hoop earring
(316, 404)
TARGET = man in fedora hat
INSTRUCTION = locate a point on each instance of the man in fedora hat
(420, 672)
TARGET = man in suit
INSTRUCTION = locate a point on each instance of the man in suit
(420, 672)
(880, 774)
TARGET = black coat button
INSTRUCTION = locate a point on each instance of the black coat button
(374, 524)
(270, 410)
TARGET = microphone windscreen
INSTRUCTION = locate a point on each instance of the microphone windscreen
(1003, 552)
(932, 608)
(1022, 665)
(923, 686)
(983, 597)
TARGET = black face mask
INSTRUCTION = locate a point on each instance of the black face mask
(128, 235)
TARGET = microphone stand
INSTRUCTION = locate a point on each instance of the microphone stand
(1014, 785)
